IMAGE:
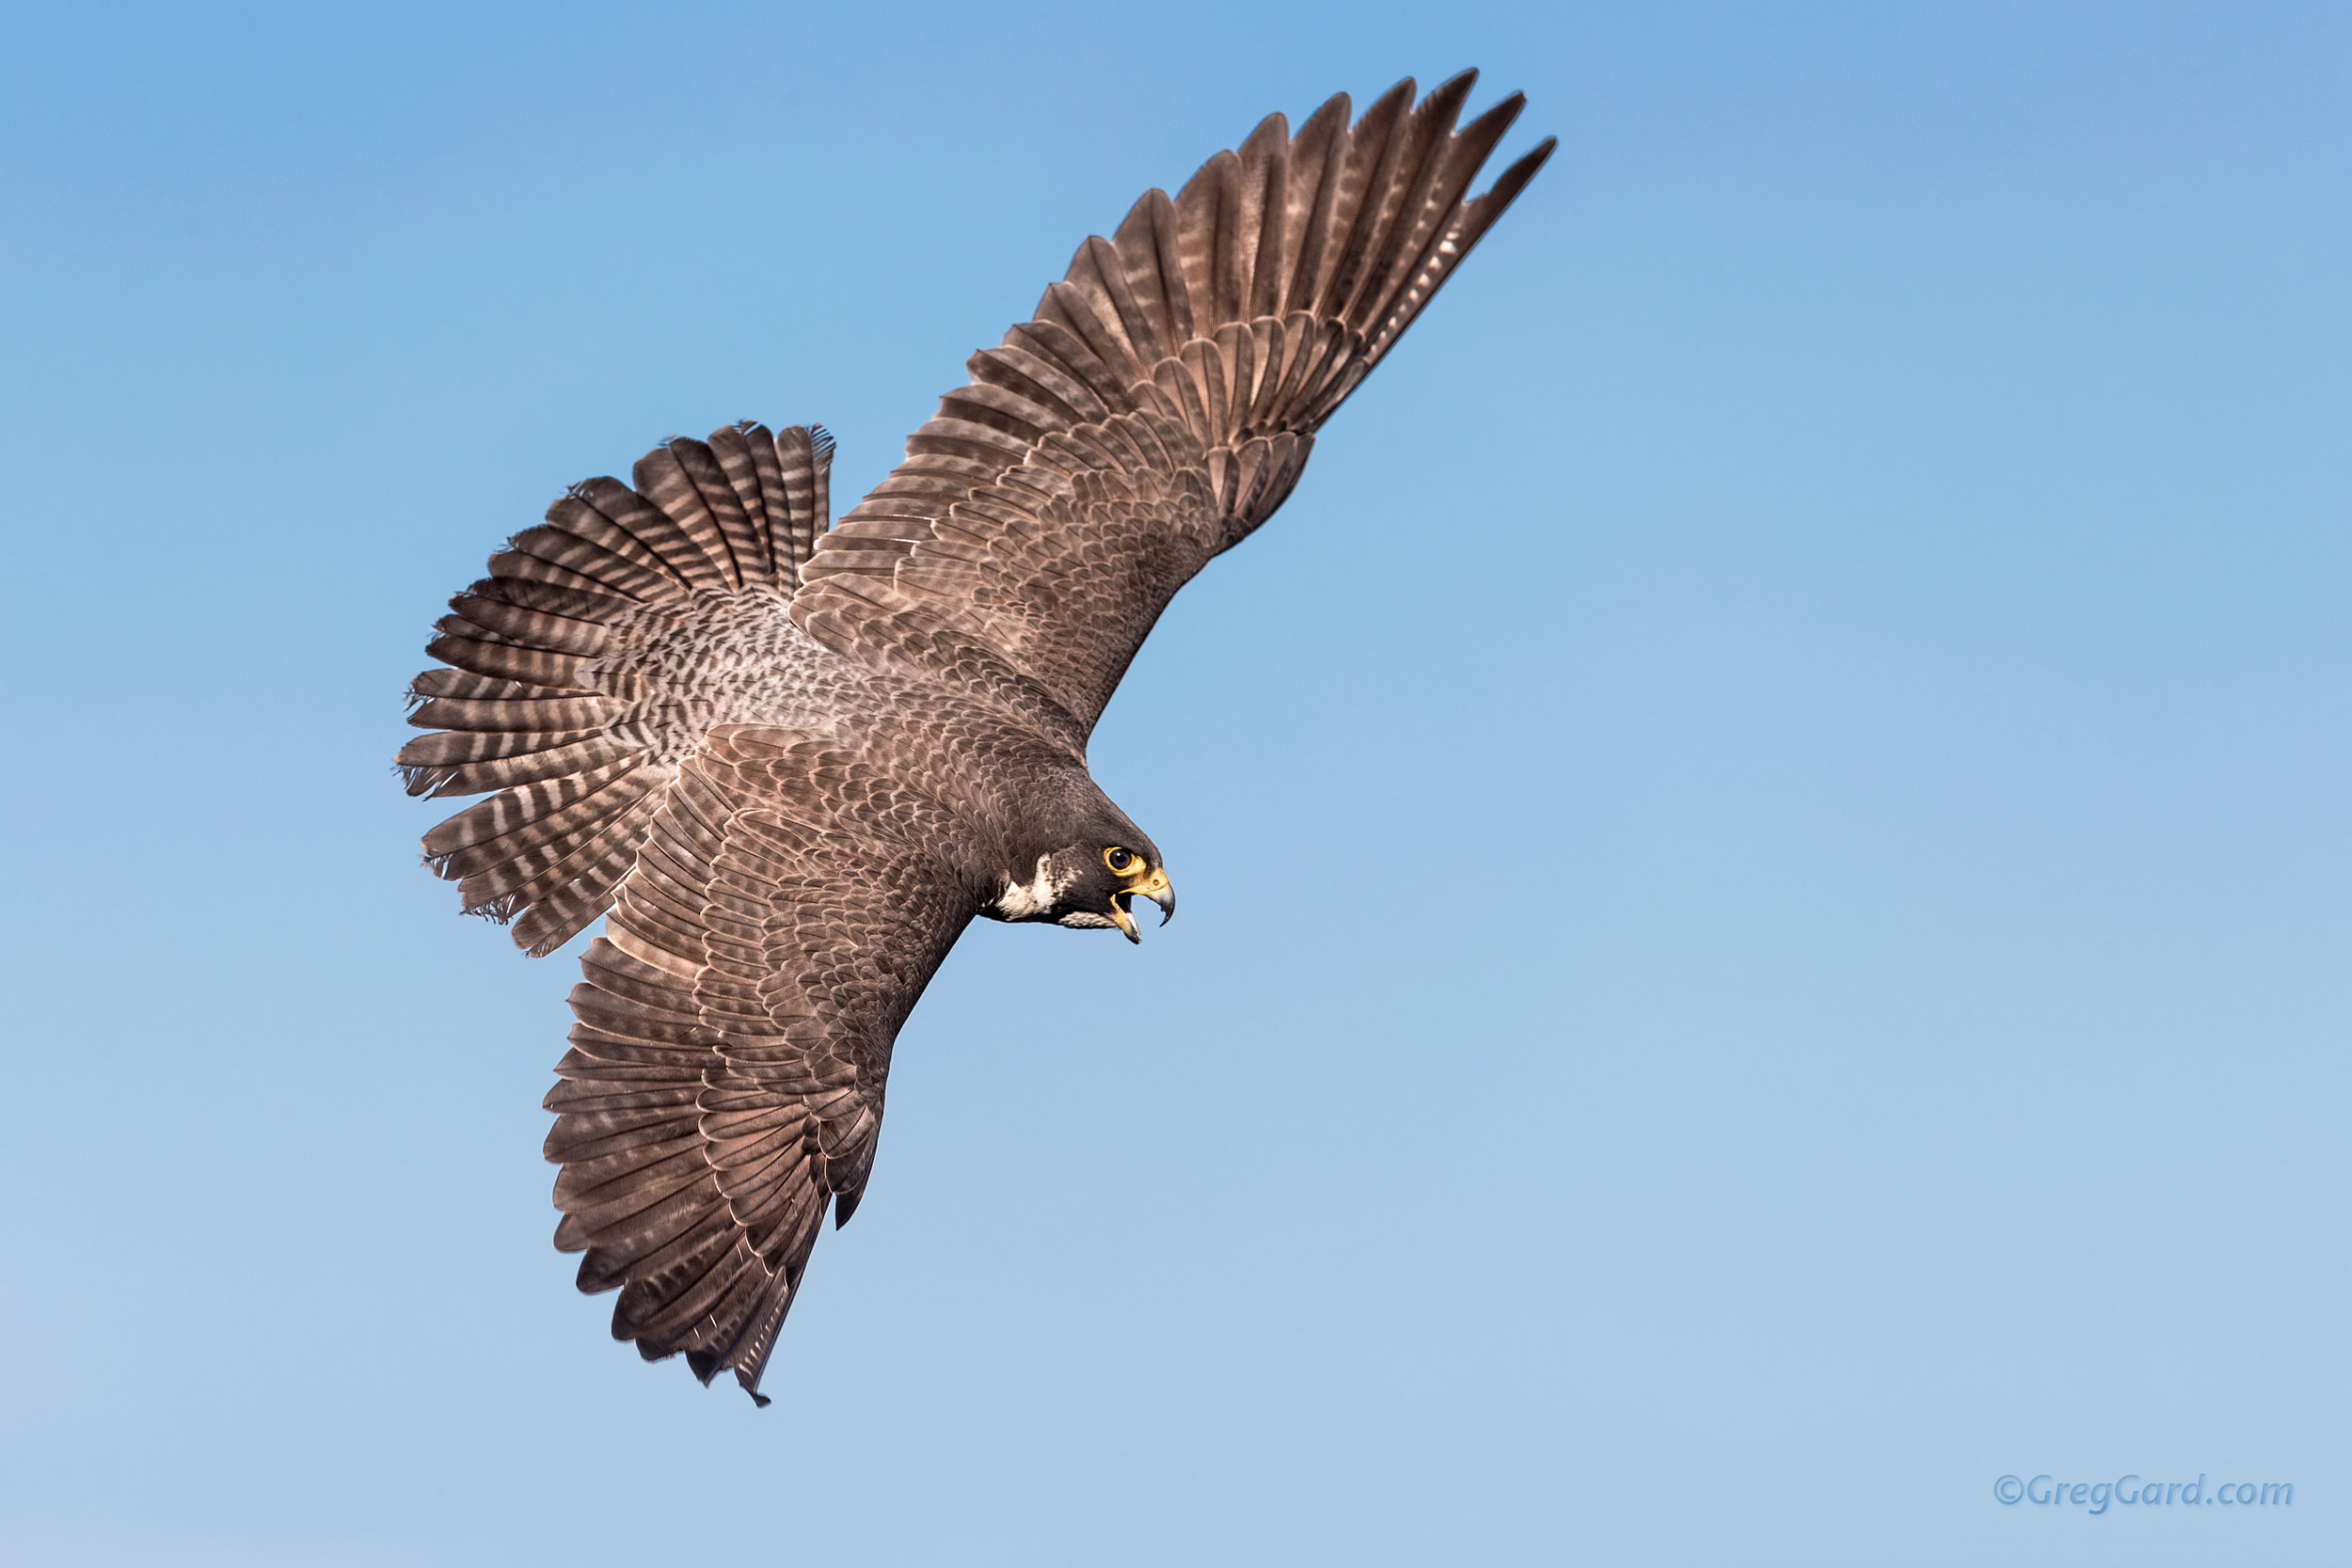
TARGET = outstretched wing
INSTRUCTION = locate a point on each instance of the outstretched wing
(726, 1073)
(1158, 408)
(576, 684)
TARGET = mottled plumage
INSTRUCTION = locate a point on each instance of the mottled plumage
(794, 763)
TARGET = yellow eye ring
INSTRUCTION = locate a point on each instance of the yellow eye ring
(1122, 862)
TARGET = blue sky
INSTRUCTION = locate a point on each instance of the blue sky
(1763, 843)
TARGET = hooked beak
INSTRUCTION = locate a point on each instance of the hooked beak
(1154, 887)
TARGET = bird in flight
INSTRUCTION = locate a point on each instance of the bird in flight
(792, 762)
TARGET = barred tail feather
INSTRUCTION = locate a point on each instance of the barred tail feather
(523, 708)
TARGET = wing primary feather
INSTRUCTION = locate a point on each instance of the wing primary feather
(1266, 159)
(1418, 167)
(1375, 144)
(1318, 162)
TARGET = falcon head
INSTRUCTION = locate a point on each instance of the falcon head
(1091, 882)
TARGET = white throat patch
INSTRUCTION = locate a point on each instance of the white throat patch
(1021, 900)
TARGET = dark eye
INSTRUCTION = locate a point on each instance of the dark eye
(1119, 860)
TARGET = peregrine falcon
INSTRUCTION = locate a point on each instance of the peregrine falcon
(793, 762)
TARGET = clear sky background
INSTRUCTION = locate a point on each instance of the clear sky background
(1763, 843)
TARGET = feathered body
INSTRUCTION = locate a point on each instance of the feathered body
(793, 762)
